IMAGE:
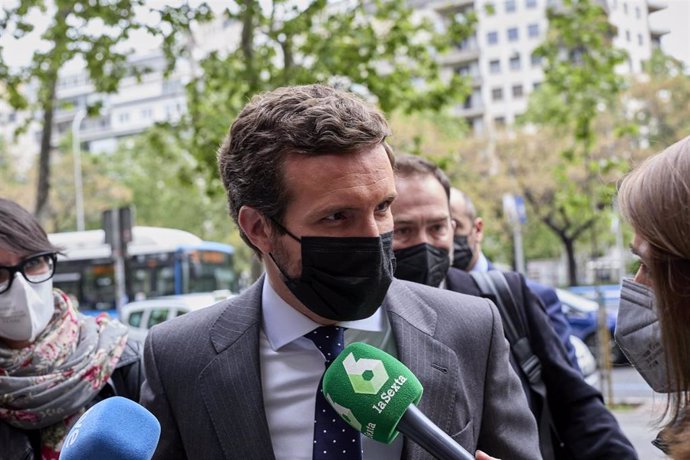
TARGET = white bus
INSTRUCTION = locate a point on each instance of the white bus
(160, 261)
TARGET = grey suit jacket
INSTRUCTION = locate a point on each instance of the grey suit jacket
(203, 379)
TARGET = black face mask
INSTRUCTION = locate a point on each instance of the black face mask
(343, 278)
(422, 263)
(462, 252)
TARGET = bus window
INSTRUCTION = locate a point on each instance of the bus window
(161, 261)
(141, 283)
(99, 286)
(165, 281)
(209, 271)
(151, 275)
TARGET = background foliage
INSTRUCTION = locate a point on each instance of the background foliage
(586, 125)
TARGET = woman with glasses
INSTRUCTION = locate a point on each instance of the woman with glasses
(54, 362)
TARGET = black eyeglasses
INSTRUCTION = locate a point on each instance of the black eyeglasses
(35, 269)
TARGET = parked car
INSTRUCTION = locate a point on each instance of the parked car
(582, 314)
(586, 361)
(141, 315)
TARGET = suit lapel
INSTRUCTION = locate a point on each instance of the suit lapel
(231, 383)
(435, 365)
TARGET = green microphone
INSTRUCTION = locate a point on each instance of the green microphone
(377, 395)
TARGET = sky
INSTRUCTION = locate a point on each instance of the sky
(675, 18)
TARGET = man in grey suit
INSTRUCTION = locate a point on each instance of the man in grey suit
(309, 179)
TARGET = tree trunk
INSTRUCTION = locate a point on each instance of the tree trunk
(43, 190)
(569, 245)
(247, 44)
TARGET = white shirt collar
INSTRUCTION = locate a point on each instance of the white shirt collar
(283, 324)
(482, 264)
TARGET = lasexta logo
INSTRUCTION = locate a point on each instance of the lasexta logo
(366, 375)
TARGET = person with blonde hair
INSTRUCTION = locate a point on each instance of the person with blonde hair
(655, 199)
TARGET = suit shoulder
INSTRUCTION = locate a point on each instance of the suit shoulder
(448, 304)
(438, 293)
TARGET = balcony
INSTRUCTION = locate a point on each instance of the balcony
(657, 32)
(656, 5)
(469, 112)
(466, 52)
(445, 7)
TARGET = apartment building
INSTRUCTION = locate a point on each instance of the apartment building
(139, 103)
(499, 56)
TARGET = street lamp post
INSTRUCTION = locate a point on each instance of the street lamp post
(76, 151)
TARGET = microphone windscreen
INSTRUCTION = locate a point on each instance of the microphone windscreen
(113, 429)
(371, 390)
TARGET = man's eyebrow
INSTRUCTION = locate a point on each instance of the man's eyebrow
(404, 221)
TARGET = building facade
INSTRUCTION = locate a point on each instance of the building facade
(499, 57)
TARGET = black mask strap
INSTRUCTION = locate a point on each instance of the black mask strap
(286, 278)
(285, 230)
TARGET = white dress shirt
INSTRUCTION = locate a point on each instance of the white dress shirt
(482, 264)
(291, 368)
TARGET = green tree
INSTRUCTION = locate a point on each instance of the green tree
(380, 49)
(580, 83)
(14, 180)
(165, 188)
(88, 30)
(100, 192)
(658, 103)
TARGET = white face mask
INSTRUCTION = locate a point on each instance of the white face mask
(26, 309)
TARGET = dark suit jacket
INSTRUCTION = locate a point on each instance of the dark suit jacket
(586, 428)
(203, 379)
(554, 309)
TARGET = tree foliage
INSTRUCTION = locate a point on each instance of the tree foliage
(88, 30)
(580, 84)
(165, 189)
(658, 103)
(100, 191)
(381, 49)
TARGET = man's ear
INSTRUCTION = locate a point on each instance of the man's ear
(256, 227)
(479, 225)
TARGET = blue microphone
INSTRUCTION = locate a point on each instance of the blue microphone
(114, 429)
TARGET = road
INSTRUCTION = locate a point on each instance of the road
(637, 408)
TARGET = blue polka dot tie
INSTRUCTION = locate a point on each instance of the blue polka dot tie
(333, 437)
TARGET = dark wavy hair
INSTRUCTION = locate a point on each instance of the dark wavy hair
(410, 165)
(20, 232)
(303, 120)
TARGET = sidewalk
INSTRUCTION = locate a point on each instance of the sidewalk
(637, 422)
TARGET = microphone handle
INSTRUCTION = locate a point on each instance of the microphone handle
(417, 426)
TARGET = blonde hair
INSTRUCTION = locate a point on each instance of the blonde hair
(655, 199)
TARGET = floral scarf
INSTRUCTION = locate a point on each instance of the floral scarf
(47, 385)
